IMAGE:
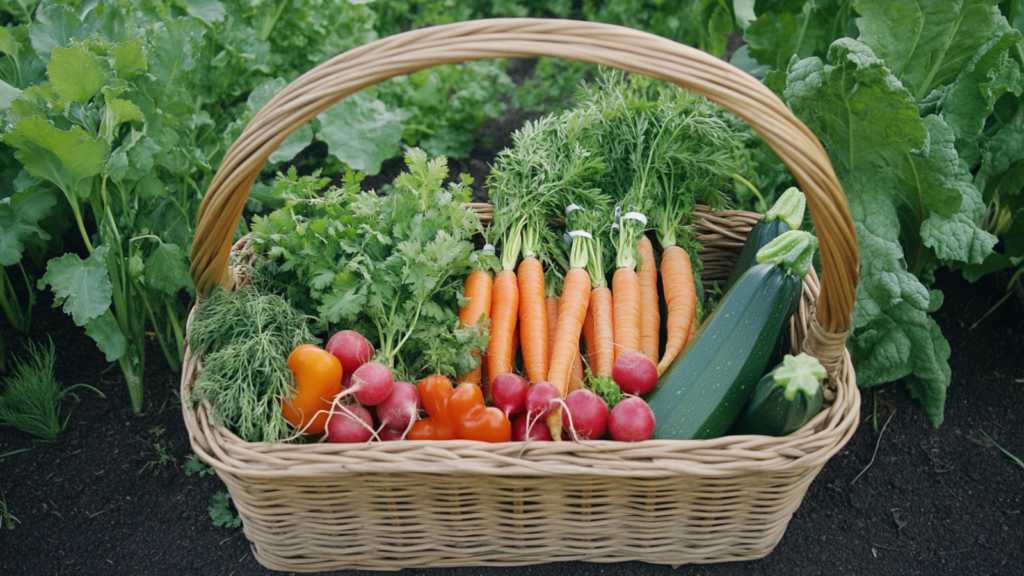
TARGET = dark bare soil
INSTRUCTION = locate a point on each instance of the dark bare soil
(943, 501)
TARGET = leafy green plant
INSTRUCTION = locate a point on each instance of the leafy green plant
(164, 458)
(220, 512)
(944, 79)
(32, 396)
(193, 465)
(244, 338)
(390, 267)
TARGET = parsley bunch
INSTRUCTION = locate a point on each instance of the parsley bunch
(390, 267)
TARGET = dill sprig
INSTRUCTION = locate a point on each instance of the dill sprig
(245, 338)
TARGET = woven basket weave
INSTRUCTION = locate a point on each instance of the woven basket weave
(391, 505)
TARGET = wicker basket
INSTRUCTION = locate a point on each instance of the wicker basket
(429, 504)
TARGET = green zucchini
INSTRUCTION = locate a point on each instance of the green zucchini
(786, 214)
(785, 399)
(707, 385)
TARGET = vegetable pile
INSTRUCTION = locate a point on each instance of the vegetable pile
(551, 331)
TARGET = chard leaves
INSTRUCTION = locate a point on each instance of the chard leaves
(913, 205)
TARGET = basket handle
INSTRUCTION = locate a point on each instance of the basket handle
(614, 46)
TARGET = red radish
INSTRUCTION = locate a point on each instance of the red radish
(508, 393)
(390, 435)
(540, 400)
(588, 414)
(399, 409)
(631, 420)
(351, 348)
(349, 424)
(346, 380)
(538, 430)
(371, 384)
(635, 373)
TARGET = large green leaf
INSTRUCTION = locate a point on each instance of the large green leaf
(7, 95)
(167, 269)
(172, 55)
(19, 222)
(806, 29)
(83, 285)
(968, 102)
(57, 26)
(75, 74)
(104, 330)
(927, 43)
(361, 132)
(913, 204)
(69, 159)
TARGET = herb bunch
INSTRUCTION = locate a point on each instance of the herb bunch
(390, 267)
(245, 338)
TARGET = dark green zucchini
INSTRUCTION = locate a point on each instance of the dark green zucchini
(707, 385)
(786, 214)
(785, 399)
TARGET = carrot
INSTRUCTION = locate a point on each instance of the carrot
(515, 347)
(625, 283)
(601, 344)
(504, 308)
(626, 302)
(551, 303)
(576, 376)
(478, 291)
(572, 308)
(533, 319)
(650, 326)
(681, 300)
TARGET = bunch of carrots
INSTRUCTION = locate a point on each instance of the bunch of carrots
(632, 159)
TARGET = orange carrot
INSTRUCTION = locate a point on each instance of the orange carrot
(601, 344)
(681, 300)
(552, 305)
(650, 326)
(515, 346)
(576, 376)
(504, 309)
(478, 290)
(626, 299)
(572, 308)
(693, 329)
(533, 319)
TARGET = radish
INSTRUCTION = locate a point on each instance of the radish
(351, 348)
(519, 433)
(346, 380)
(390, 435)
(349, 424)
(587, 414)
(635, 374)
(371, 384)
(508, 393)
(631, 420)
(400, 408)
(540, 400)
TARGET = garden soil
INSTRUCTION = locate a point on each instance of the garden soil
(902, 497)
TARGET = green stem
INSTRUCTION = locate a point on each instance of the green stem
(171, 362)
(179, 335)
(9, 302)
(408, 333)
(76, 209)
